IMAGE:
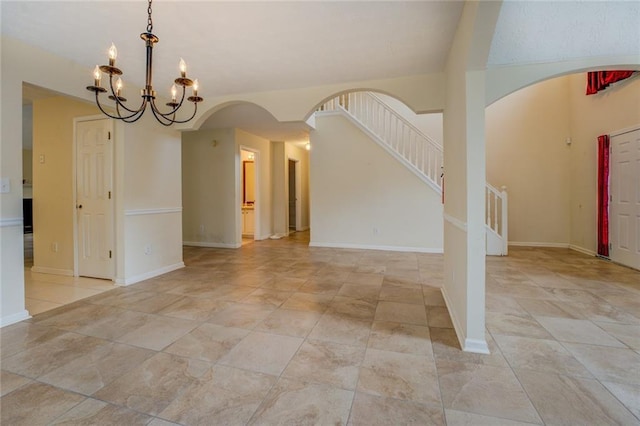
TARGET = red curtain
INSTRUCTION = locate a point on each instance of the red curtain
(600, 80)
(603, 195)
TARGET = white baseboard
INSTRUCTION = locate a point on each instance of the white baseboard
(211, 245)
(12, 319)
(538, 244)
(553, 245)
(302, 229)
(476, 346)
(468, 345)
(148, 275)
(374, 247)
(582, 250)
(54, 271)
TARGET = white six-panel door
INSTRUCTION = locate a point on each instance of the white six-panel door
(94, 198)
(624, 207)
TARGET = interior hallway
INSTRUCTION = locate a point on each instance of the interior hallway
(280, 333)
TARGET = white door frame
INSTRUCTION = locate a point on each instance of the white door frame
(611, 136)
(257, 204)
(74, 165)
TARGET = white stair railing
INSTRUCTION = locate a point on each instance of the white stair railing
(400, 136)
(420, 153)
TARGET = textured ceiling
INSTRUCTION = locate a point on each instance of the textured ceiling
(243, 46)
(237, 47)
(550, 31)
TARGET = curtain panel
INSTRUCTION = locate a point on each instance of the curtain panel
(600, 80)
(603, 195)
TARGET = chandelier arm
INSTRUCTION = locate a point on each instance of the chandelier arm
(195, 110)
(172, 112)
(131, 118)
(119, 117)
(161, 118)
(116, 98)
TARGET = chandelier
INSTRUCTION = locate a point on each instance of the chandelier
(122, 112)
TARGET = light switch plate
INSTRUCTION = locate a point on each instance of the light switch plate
(5, 185)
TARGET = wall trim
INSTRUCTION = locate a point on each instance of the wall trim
(12, 319)
(11, 221)
(302, 229)
(467, 345)
(375, 247)
(582, 250)
(623, 131)
(455, 222)
(538, 244)
(476, 346)
(211, 244)
(53, 271)
(148, 275)
(553, 245)
(161, 210)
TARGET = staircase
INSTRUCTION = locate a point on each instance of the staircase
(417, 152)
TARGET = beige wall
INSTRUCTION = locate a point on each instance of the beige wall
(53, 196)
(363, 197)
(616, 108)
(526, 151)
(149, 196)
(552, 185)
(209, 188)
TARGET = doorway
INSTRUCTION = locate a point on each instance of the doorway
(249, 185)
(294, 195)
(94, 198)
(624, 208)
(293, 198)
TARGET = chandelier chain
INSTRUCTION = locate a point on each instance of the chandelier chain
(149, 20)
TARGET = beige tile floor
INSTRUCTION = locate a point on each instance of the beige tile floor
(279, 333)
(46, 291)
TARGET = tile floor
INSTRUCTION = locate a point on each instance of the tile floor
(279, 333)
(46, 291)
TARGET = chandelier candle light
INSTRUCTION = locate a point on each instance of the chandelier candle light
(148, 94)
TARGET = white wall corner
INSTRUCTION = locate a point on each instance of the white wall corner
(12, 319)
(148, 275)
(468, 345)
(476, 346)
